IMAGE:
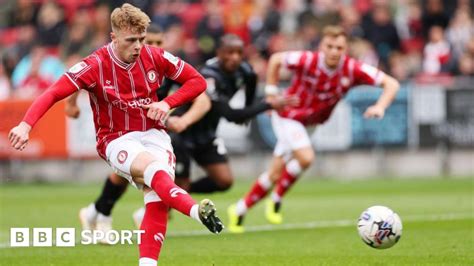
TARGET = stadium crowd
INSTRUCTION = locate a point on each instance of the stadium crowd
(40, 39)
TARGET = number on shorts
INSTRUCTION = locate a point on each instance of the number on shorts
(171, 160)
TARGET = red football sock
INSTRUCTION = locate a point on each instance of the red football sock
(258, 191)
(284, 183)
(171, 194)
(154, 224)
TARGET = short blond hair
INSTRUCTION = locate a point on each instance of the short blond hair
(334, 31)
(129, 17)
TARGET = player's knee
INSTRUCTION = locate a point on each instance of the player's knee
(306, 160)
(118, 180)
(225, 183)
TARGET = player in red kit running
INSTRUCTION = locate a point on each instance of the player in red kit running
(320, 79)
(122, 79)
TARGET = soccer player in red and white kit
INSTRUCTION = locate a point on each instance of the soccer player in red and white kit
(121, 79)
(320, 79)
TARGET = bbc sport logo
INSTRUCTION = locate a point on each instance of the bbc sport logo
(66, 237)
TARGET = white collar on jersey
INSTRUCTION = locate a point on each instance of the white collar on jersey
(322, 64)
(116, 59)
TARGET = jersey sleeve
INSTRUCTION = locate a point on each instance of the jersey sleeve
(211, 89)
(295, 60)
(58, 91)
(250, 78)
(367, 74)
(83, 74)
(172, 66)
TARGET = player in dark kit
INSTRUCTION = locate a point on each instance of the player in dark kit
(225, 74)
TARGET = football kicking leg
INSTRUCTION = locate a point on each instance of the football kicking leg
(182, 179)
(156, 177)
(257, 192)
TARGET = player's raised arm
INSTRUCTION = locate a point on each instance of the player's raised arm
(19, 135)
(390, 88)
(273, 73)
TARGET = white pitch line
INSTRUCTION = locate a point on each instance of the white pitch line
(314, 225)
(327, 224)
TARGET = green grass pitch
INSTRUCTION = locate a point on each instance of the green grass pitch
(319, 226)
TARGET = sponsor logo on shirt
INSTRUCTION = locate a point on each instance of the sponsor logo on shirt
(137, 103)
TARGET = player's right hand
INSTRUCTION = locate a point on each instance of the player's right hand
(278, 102)
(72, 111)
(157, 111)
(19, 136)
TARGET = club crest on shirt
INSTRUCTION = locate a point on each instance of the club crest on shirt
(122, 156)
(151, 76)
(345, 81)
(77, 67)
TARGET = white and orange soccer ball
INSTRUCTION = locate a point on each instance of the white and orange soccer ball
(379, 227)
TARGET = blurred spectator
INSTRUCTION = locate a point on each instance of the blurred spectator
(51, 25)
(380, 30)
(460, 30)
(410, 27)
(398, 67)
(466, 65)
(77, 38)
(25, 41)
(290, 9)
(101, 27)
(320, 13)
(23, 45)
(36, 70)
(262, 24)
(163, 15)
(25, 12)
(5, 87)
(466, 61)
(434, 15)
(363, 51)
(399, 44)
(350, 21)
(210, 28)
(236, 22)
(175, 40)
(436, 52)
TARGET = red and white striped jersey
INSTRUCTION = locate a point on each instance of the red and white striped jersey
(320, 88)
(117, 90)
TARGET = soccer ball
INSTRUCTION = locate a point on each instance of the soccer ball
(379, 227)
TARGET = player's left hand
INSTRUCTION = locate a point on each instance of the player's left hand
(374, 111)
(157, 111)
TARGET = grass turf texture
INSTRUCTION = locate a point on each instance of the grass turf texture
(425, 241)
